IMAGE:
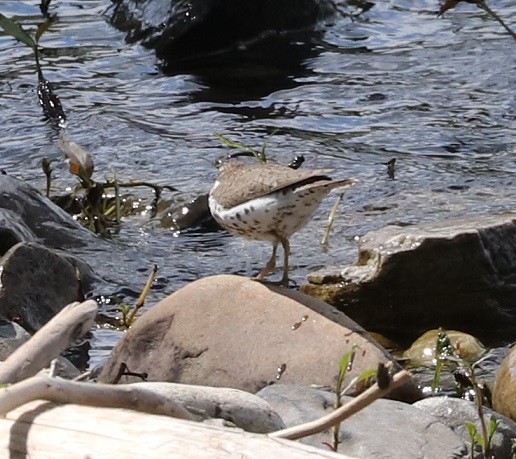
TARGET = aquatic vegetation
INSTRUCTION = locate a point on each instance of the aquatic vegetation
(464, 374)
(345, 365)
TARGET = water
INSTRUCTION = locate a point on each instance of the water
(436, 94)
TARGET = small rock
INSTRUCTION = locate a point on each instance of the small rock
(455, 412)
(422, 351)
(189, 214)
(504, 391)
(12, 336)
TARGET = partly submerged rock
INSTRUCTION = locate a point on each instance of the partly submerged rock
(185, 29)
(12, 336)
(229, 331)
(422, 351)
(458, 274)
(504, 391)
(384, 429)
(188, 214)
(28, 216)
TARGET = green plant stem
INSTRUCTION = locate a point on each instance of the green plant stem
(486, 447)
(117, 202)
(141, 300)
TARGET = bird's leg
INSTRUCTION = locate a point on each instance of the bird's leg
(271, 264)
(286, 252)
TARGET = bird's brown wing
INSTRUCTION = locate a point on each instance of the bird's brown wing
(246, 182)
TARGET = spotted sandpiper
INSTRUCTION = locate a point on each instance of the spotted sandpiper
(268, 202)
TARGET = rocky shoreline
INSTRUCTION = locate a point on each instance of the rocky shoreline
(282, 347)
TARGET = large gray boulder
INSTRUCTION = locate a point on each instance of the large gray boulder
(459, 274)
(230, 331)
(385, 429)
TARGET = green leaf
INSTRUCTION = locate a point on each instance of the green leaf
(240, 146)
(493, 425)
(12, 28)
(473, 433)
(366, 374)
(345, 361)
(437, 375)
(43, 28)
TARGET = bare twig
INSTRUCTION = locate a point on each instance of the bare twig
(71, 323)
(104, 395)
(345, 411)
(482, 5)
(449, 4)
(331, 219)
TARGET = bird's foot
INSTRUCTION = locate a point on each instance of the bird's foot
(287, 283)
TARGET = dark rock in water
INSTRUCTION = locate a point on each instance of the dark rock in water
(186, 28)
(458, 275)
(190, 214)
(12, 336)
(28, 216)
(35, 284)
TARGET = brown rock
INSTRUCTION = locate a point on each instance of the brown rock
(422, 351)
(457, 275)
(504, 391)
(229, 331)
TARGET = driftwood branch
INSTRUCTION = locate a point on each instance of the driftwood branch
(245, 410)
(101, 395)
(71, 323)
(345, 411)
(40, 429)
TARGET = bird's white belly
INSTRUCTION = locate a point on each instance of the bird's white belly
(265, 217)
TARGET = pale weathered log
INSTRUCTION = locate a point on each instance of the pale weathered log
(243, 409)
(71, 323)
(345, 411)
(43, 430)
(104, 395)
